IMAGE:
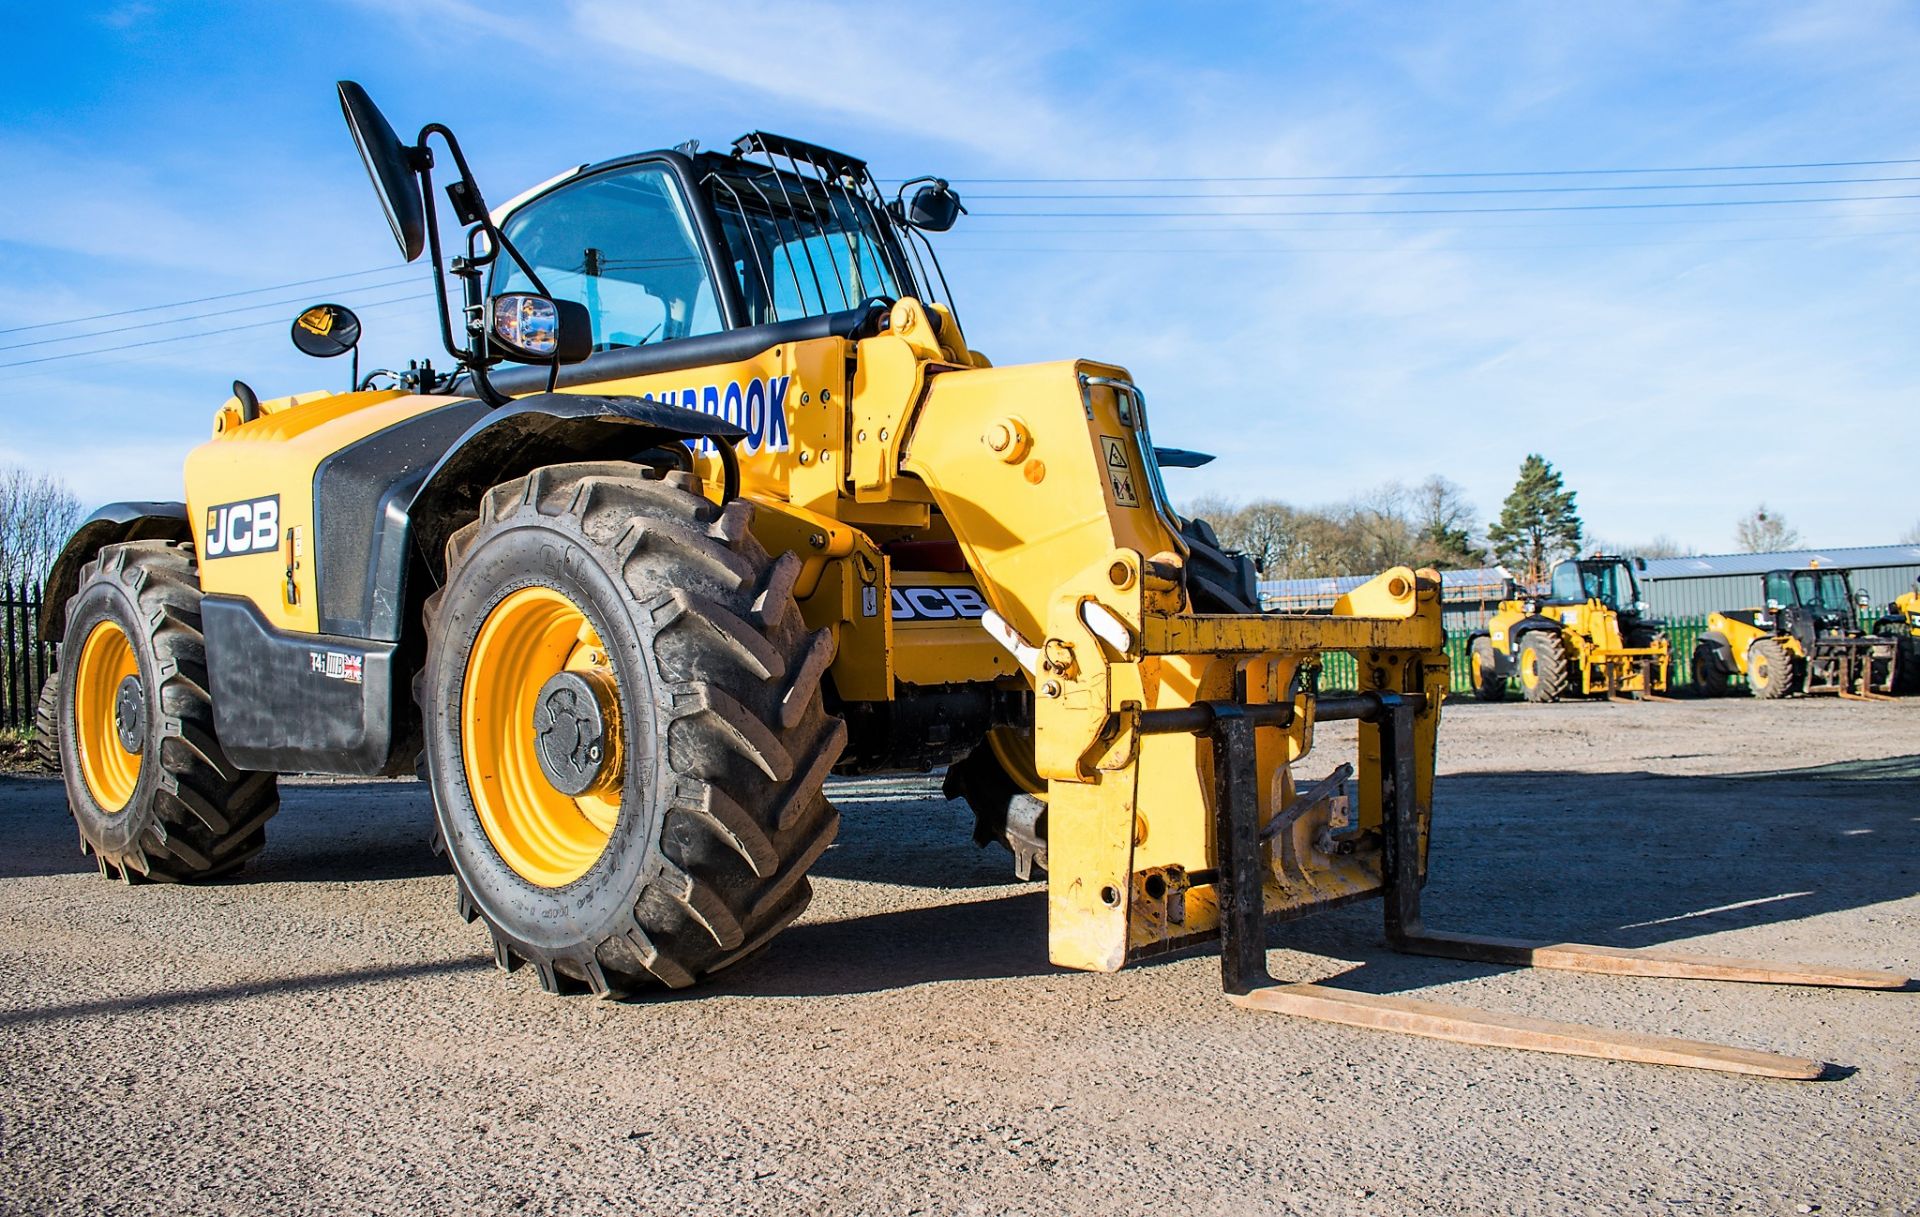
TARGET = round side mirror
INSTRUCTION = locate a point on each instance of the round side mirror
(326, 330)
(933, 208)
(392, 166)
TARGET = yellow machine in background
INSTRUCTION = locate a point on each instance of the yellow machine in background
(1590, 634)
(753, 511)
(1807, 639)
(1902, 624)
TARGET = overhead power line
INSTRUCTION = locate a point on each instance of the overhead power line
(1388, 194)
(183, 338)
(1240, 250)
(1405, 177)
(225, 312)
(252, 291)
(1431, 211)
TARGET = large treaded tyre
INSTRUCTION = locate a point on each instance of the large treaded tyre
(1543, 667)
(1710, 674)
(1772, 671)
(723, 742)
(1488, 684)
(1219, 580)
(188, 813)
(46, 724)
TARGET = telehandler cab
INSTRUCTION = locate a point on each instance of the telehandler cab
(1590, 634)
(1806, 640)
(753, 511)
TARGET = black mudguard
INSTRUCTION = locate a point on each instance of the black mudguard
(111, 525)
(548, 429)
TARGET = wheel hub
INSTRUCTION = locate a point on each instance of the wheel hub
(130, 714)
(570, 724)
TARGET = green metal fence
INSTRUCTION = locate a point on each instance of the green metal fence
(1341, 672)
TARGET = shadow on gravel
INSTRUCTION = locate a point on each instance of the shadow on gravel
(326, 832)
(974, 940)
(215, 995)
(1644, 860)
(1624, 859)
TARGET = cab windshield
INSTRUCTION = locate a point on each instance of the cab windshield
(1611, 583)
(1826, 590)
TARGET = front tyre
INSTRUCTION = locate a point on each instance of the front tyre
(1772, 670)
(150, 788)
(624, 729)
(1543, 666)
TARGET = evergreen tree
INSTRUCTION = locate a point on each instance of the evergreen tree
(1538, 523)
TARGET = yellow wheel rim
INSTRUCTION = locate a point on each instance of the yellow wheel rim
(108, 768)
(548, 837)
(1014, 750)
(1529, 666)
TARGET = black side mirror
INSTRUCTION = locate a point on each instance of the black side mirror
(934, 206)
(528, 328)
(392, 165)
(1639, 564)
(326, 330)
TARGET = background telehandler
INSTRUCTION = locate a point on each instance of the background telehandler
(1807, 639)
(753, 510)
(1902, 624)
(1589, 634)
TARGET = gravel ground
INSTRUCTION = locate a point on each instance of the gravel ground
(325, 1035)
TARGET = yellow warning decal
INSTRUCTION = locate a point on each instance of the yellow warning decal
(1119, 471)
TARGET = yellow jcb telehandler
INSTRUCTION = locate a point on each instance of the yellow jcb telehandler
(753, 510)
(1902, 624)
(1590, 634)
(1807, 639)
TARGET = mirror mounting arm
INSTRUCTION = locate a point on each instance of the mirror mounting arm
(470, 208)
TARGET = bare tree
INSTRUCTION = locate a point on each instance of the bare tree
(1444, 518)
(37, 515)
(1392, 525)
(1912, 536)
(1763, 531)
(1661, 546)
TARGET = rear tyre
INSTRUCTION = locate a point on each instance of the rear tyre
(1772, 670)
(998, 780)
(1710, 673)
(46, 724)
(1007, 795)
(1543, 667)
(624, 729)
(1488, 684)
(1219, 580)
(152, 792)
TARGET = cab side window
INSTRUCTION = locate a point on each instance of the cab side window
(1566, 583)
(622, 244)
(1777, 589)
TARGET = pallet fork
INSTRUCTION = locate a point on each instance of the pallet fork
(1642, 664)
(1243, 968)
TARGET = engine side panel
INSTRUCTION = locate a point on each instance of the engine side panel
(250, 497)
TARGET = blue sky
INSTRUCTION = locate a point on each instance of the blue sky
(1677, 364)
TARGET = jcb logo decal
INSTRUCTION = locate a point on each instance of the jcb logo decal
(250, 526)
(937, 603)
